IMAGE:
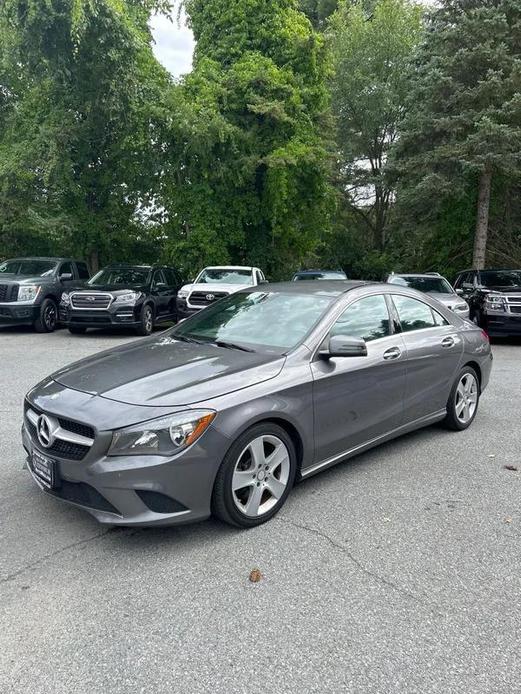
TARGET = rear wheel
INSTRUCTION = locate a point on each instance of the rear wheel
(463, 402)
(47, 318)
(146, 325)
(255, 477)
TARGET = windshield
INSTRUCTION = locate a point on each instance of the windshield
(225, 276)
(322, 275)
(272, 320)
(501, 278)
(429, 285)
(29, 268)
(127, 276)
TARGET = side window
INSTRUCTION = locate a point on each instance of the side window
(159, 278)
(169, 277)
(367, 318)
(258, 276)
(83, 271)
(467, 281)
(438, 318)
(66, 268)
(413, 314)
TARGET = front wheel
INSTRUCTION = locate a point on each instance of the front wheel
(47, 318)
(256, 476)
(146, 325)
(463, 402)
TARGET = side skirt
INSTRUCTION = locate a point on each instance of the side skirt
(395, 433)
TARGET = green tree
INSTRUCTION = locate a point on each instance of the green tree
(463, 126)
(78, 159)
(372, 45)
(248, 173)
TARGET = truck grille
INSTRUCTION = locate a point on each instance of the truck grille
(91, 300)
(514, 303)
(8, 292)
(205, 298)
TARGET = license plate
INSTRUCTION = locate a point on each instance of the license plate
(44, 470)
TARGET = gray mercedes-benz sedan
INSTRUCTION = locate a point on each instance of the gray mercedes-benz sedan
(224, 412)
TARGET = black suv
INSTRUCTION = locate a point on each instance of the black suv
(137, 296)
(494, 297)
(30, 289)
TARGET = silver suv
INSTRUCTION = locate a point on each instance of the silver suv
(437, 286)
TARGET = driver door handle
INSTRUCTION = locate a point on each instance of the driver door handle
(448, 342)
(392, 353)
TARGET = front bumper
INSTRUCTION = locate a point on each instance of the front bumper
(117, 315)
(137, 490)
(504, 324)
(184, 311)
(18, 313)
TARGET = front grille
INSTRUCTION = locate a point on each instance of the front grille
(63, 449)
(205, 298)
(515, 309)
(90, 300)
(8, 292)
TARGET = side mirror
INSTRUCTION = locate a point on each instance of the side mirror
(264, 282)
(459, 292)
(345, 346)
(65, 276)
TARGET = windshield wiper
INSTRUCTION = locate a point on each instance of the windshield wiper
(231, 345)
(183, 338)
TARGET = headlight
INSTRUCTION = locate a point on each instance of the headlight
(65, 300)
(495, 302)
(128, 298)
(28, 292)
(166, 436)
(182, 293)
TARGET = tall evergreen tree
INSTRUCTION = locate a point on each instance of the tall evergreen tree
(463, 126)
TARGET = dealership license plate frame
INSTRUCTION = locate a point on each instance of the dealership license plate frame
(44, 469)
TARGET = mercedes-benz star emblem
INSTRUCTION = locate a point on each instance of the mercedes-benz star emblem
(44, 432)
(210, 297)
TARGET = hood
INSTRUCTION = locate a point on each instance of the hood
(24, 279)
(448, 300)
(215, 288)
(114, 289)
(163, 372)
(503, 289)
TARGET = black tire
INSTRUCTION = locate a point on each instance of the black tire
(77, 330)
(452, 421)
(48, 317)
(146, 324)
(224, 504)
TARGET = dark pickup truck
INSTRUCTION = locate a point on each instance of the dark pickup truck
(30, 289)
(494, 297)
(123, 296)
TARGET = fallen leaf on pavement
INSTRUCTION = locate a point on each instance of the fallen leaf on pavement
(512, 468)
(255, 575)
(508, 519)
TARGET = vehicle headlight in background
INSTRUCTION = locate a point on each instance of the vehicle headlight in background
(495, 302)
(128, 298)
(28, 292)
(66, 299)
(164, 436)
(182, 293)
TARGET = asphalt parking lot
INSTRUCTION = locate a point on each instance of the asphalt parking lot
(398, 571)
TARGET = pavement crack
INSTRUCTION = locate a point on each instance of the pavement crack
(361, 567)
(43, 559)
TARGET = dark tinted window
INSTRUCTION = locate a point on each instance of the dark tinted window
(128, 276)
(159, 278)
(413, 314)
(83, 271)
(367, 318)
(66, 268)
(29, 268)
(320, 275)
(501, 278)
(437, 285)
(171, 277)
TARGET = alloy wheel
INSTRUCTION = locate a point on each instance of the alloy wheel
(148, 320)
(261, 475)
(49, 317)
(466, 398)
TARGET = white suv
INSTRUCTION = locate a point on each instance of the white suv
(212, 284)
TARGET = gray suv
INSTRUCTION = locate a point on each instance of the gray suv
(224, 412)
(30, 289)
(437, 286)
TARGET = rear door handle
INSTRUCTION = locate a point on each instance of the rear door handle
(392, 353)
(448, 342)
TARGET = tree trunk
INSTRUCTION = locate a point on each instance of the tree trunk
(94, 261)
(480, 237)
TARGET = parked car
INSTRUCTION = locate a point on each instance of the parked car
(434, 284)
(494, 297)
(223, 412)
(214, 283)
(123, 296)
(30, 289)
(319, 275)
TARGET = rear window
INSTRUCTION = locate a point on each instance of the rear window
(429, 285)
